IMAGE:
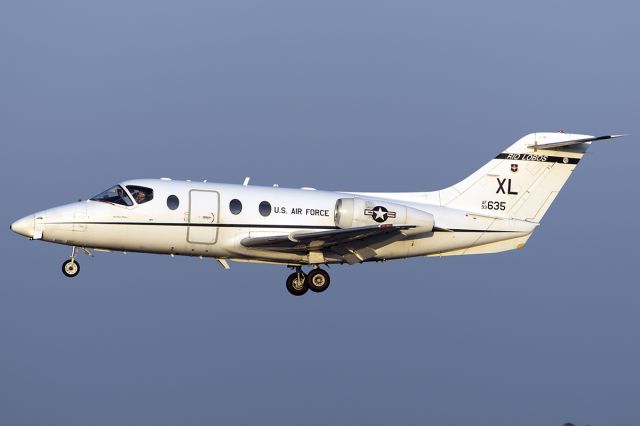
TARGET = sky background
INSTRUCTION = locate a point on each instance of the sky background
(345, 95)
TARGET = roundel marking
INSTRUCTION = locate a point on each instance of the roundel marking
(379, 213)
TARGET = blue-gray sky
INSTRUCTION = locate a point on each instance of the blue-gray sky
(350, 95)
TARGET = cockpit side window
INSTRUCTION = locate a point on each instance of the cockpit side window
(115, 195)
(140, 193)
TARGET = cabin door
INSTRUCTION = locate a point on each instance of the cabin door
(204, 207)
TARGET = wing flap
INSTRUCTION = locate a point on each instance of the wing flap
(354, 254)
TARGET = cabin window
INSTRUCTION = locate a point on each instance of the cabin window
(140, 194)
(173, 202)
(235, 206)
(265, 208)
(114, 195)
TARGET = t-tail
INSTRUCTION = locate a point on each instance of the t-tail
(520, 183)
(523, 181)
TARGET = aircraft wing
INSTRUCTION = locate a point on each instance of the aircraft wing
(353, 244)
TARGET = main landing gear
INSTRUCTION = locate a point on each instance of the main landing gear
(71, 267)
(317, 281)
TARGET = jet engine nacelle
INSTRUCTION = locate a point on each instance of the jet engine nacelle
(353, 212)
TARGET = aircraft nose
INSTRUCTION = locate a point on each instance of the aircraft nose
(24, 226)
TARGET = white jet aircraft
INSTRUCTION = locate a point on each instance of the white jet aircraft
(495, 209)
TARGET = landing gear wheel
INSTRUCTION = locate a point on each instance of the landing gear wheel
(70, 268)
(295, 286)
(318, 280)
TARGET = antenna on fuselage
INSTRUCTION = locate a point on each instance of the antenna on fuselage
(246, 181)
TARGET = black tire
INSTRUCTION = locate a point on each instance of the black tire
(293, 287)
(318, 280)
(68, 268)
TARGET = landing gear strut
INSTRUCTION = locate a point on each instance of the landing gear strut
(71, 267)
(317, 281)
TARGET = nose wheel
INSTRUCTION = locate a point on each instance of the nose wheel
(71, 267)
(317, 281)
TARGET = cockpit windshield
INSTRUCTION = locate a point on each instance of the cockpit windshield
(140, 193)
(115, 195)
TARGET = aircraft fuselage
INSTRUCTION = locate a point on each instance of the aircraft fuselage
(202, 223)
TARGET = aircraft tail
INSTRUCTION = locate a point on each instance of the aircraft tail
(523, 181)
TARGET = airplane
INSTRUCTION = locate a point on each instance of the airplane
(495, 209)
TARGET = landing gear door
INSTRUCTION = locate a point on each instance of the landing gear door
(203, 216)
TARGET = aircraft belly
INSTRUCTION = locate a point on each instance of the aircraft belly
(442, 242)
(430, 243)
(139, 238)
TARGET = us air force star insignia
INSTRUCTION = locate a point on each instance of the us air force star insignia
(514, 168)
(379, 213)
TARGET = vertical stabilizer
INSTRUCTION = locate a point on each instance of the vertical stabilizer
(523, 181)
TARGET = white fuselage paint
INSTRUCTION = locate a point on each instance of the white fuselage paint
(203, 225)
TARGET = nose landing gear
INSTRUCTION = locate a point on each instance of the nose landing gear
(317, 281)
(71, 267)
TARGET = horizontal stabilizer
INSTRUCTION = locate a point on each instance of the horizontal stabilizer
(562, 144)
